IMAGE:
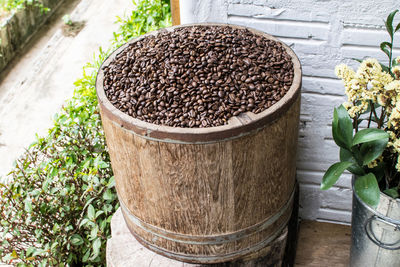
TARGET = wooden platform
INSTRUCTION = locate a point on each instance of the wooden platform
(323, 244)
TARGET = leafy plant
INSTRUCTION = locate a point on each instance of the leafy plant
(148, 16)
(9, 5)
(67, 20)
(373, 153)
(57, 207)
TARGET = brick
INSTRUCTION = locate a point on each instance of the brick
(364, 37)
(352, 51)
(311, 198)
(261, 10)
(336, 216)
(324, 86)
(294, 29)
(315, 177)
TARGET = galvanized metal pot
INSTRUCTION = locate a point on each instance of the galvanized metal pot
(375, 233)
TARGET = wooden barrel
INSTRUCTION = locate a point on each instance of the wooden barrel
(206, 195)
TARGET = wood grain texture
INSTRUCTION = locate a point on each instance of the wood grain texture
(206, 189)
(323, 244)
(210, 200)
(175, 12)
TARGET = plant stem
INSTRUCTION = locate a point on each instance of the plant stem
(370, 115)
(390, 55)
(383, 113)
(375, 115)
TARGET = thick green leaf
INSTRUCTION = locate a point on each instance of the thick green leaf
(368, 135)
(389, 23)
(372, 150)
(342, 127)
(346, 155)
(333, 174)
(392, 192)
(397, 27)
(367, 189)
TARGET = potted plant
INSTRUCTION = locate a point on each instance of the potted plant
(367, 130)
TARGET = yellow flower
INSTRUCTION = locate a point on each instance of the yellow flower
(394, 118)
(373, 164)
(347, 105)
(344, 72)
(358, 109)
(396, 71)
(396, 145)
(390, 95)
(369, 68)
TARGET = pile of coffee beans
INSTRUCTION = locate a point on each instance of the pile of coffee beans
(198, 76)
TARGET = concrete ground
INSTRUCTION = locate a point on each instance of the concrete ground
(37, 83)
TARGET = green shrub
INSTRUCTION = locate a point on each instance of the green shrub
(10, 5)
(56, 208)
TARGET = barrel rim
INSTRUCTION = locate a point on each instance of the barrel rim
(237, 126)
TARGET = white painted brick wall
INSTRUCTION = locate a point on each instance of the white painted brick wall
(323, 33)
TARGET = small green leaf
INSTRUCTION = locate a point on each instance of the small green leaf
(98, 213)
(372, 150)
(86, 256)
(367, 189)
(384, 48)
(86, 163)
(54, 245)
(342, 127)
(389, 23)
(370, 134)
(91, 212)
(94, 232)
(392, 192)
(397, 27)
(76, 240)
(28, 205)
(111, 182)
(96, 249)
(30, 251)
(108, 195)
(83, 222)
(333, 174)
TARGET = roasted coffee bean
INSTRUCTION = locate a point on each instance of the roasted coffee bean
(198, 76)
